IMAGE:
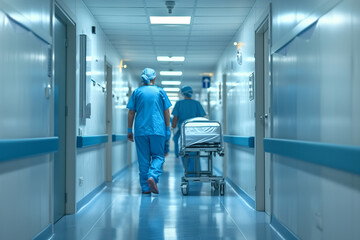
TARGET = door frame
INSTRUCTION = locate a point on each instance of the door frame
(263, 24)
(109, 106)
(71, 94)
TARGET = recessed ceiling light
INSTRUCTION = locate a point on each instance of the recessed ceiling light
(170, 59)
(171, 89)
(171, 82)
(171, 73)
(170, 20)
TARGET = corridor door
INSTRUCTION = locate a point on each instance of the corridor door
(60, 118)
(267, 121)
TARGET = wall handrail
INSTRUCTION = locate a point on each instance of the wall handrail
(26, 147)
(240, 140)
(119, 137)
(342, 157)
(91, 140)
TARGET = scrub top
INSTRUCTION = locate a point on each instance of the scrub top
(149, 102)
(186, 109)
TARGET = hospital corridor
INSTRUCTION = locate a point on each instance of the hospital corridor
(179, 119)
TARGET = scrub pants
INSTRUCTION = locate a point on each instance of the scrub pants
(176, 143)
(151, 156)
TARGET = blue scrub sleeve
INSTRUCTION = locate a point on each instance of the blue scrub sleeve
(167, 103)
(175, 111)
(131, 104)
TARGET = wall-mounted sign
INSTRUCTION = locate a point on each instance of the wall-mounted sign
(206, 81)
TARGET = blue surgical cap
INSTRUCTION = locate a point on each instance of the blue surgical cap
(147, 75)
(187, 91)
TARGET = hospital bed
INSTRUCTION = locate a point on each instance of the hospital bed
(201, 138)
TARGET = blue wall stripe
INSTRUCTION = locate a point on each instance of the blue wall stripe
(342, 157)
(44, 234)
(85, 200)
(119, 137)
(242, 141)
(250, 201)
(86, 141)
(27, 147)
(280, 228)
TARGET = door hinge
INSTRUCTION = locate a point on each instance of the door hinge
(66, 43)
(65, 197)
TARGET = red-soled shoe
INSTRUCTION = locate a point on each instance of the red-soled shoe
(152, 185)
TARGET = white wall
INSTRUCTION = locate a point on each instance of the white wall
(315, 96)
(315, 86)
(239, 109)
(90, 163)
(25, 184)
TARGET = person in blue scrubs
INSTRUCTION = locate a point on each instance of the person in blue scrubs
(184, 110)
(149, 106)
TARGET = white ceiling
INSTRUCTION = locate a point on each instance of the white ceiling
(213, 25)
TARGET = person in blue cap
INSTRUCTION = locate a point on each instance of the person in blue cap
(149, 106)
(184, 110)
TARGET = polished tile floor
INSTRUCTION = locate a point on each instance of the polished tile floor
(122, 212)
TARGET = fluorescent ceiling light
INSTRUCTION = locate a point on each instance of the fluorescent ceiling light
(173, 94)
(171, 73)
(170, 59)
(170, 20)
(171, 82)
(171, 89)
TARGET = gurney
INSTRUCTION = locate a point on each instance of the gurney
(201, 138)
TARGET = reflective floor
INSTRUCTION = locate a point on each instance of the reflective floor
(122, 212)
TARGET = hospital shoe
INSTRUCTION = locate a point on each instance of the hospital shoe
(152, 185)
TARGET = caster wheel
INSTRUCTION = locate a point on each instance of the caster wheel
(222, 189)
(185, 189)
(215, 185)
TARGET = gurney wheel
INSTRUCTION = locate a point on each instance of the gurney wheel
(185, 188)
(222, 189)
(215, 185)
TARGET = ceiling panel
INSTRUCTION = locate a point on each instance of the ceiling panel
(170, 38)
(178, 4)
(227, 3)
(170, 43)
(221, 12)
(171, 33)
(117, 11)
(121, 19)
(119, 33)
(217, 26)
(119, 27)
(127, 26)
(209, 38)
(129, 38)
(114, 3)
(212, 32)
(222, 20)
(162, 11)
(156, 27)
(212, 43)
(169, 48)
